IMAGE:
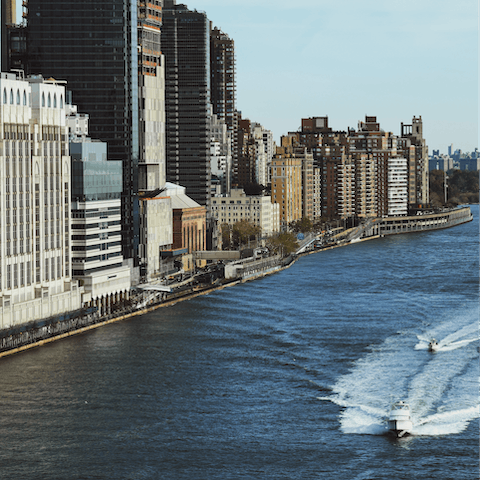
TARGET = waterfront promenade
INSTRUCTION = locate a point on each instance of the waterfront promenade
(39, 333)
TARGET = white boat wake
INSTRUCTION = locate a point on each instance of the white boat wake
(441, 388)
(451, 341)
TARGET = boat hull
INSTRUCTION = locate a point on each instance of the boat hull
(399, 428)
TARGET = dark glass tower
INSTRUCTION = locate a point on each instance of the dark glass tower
(93, 45)
(185, 44)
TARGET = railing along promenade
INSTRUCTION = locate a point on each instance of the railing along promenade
(143, 299)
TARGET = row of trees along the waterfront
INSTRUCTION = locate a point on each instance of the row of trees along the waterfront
(244, 234)
(461, 187)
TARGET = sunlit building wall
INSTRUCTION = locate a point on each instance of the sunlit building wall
(35, 187)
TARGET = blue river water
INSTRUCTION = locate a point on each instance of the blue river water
(287, 377)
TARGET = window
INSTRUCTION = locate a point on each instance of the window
(18, 97)
(24, 98)
(5, 95)
(49, 102)
(61, 101)
(43, 99)
(55, 100)
(11, 97)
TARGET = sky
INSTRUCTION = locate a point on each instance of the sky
(345, 59)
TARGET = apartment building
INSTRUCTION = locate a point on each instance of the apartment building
(413, 147)
(397, 186)
(371, 144)
(287, 186)
(256, 209)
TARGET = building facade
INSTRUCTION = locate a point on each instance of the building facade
(97, 260)
(413, 147)
(397, 186)
(151, 83)
(156, 236)
(223, 83)
(35, 186)
(287, 186)
(109, 52)
(189, 227)
(256, 209)
(221, 154)
(186, 46)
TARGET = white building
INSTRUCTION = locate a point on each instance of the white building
(397, 186)
(317, 194)
(35, 268)
(264, 152)
(258, 210)
(97, 260)
(152, 162)
(156, 230)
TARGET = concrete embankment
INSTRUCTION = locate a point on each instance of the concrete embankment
(24, 338)
(185, 295)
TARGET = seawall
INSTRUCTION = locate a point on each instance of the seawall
(25, 337)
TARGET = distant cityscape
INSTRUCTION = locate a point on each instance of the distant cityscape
(454, 160)
(124, 154)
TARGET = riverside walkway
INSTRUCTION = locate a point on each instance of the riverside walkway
(146, 298)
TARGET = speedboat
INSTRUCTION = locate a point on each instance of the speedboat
(433, 345)
(399, 421)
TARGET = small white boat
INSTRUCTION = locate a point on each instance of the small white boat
(433, 345)
(399, 421)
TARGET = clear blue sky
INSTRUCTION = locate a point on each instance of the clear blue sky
(345, 59)
(394, 59)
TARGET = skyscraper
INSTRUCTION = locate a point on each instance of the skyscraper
(94, 46)
(185, 44)
(223, 86)
(152, 96)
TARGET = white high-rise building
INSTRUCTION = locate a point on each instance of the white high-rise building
(35, 258)
(397, 186)
(264, 152)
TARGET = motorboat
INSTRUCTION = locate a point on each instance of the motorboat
(399, 421)
(433, 345)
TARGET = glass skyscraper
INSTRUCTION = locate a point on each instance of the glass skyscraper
(186, 46)
(94, 47)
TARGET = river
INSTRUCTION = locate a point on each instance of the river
(287, 377)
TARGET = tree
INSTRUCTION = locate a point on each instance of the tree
(304, 225)
(226, 236)
(238, 234)
(243, 231)
(285, 243)
(462, 187)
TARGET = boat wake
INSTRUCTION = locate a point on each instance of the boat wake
(446, 423)
(452, 341)
(442, 390)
